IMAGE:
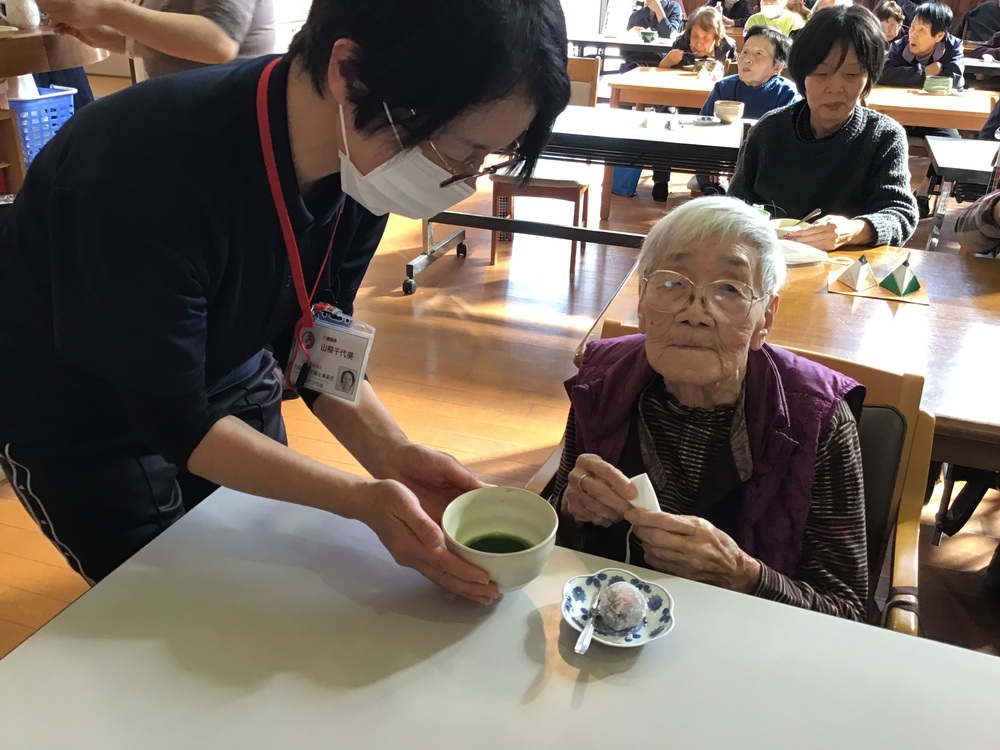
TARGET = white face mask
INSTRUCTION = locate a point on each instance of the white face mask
(408, 184)
(771, 11)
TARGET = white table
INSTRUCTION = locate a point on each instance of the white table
(981, 67)
(626, 137)
(253, 624)
(958, 160)
(624, 42)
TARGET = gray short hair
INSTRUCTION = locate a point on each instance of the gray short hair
(725, 221)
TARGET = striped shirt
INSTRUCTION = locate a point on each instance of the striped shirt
(679, 445)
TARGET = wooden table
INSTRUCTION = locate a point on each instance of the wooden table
(255, 624)
(40, 51)
(965, 111)
(953, 342)
(628, 138)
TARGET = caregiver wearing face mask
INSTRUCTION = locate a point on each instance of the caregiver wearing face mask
(171, 233)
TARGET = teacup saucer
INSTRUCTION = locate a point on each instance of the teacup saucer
(579, 592)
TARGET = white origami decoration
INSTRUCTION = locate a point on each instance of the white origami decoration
(859, 276)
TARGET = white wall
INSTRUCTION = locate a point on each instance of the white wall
(289, 15)
(582, 16)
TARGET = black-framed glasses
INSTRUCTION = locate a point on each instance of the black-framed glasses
(467, 170)
(507, 163)
(727, 300)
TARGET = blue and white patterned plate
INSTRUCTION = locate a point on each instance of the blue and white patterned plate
(579, 592)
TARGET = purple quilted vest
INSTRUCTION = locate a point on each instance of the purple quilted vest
(789, 402)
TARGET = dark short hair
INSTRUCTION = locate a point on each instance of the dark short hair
(849, 26)
(434, 61)
(780, 43)
(889, 10)
(936, 15)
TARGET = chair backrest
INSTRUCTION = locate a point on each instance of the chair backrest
(895, 437)
(584, 73)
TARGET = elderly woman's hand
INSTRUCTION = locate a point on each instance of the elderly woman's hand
(691, 547)
(830, 232)
(669, 60)
(596, 492)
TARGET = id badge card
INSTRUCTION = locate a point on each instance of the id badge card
(338, 347)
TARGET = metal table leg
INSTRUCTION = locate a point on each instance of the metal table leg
(939, 206)
(431, 252)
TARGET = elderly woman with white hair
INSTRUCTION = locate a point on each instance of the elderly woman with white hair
(752, 450)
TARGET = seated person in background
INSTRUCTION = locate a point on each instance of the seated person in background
(169, 35)
(978, 226)
(801, 9)
(753, 451)
(828, 151)
(992, 125)
(704, 37)
(734, 12)
(774, 13)
(981, 22)
(927, 50)
(990, 47)
(759, 85)
(890, 15)
(663, 16)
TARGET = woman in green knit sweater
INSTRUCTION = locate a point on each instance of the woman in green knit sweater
(828, 151)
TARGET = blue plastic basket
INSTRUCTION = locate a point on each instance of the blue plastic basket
(39, 119)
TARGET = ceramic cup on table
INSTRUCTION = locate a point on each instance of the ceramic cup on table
(937, 84)
(786, 228)
(492, 517)
(728, 111)
(647, 35)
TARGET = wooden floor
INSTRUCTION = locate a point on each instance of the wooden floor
(473, 364)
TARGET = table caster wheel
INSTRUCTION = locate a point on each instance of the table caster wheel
(409, 286)
(461, 250)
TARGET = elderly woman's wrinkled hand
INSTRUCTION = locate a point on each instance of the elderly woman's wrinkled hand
(830, 232)
(596, 492)
(671, 59)
(691, 547)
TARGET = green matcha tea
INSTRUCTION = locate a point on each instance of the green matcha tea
(498, 543)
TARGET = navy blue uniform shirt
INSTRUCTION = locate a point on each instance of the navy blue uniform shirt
(143, 263)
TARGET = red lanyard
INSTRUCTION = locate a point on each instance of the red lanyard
(291, 246)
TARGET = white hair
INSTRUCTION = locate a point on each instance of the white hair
(723, 221)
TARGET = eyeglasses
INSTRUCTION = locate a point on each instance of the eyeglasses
(505, 161)
(727, 300)
(467, 170)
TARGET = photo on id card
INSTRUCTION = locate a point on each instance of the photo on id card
(338, 356)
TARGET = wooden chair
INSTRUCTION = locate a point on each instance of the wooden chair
(896, 437)
(553, 180)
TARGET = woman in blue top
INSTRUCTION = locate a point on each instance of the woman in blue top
(758, 84)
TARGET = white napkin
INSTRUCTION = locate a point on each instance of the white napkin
(22, 87)
(647, 495)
